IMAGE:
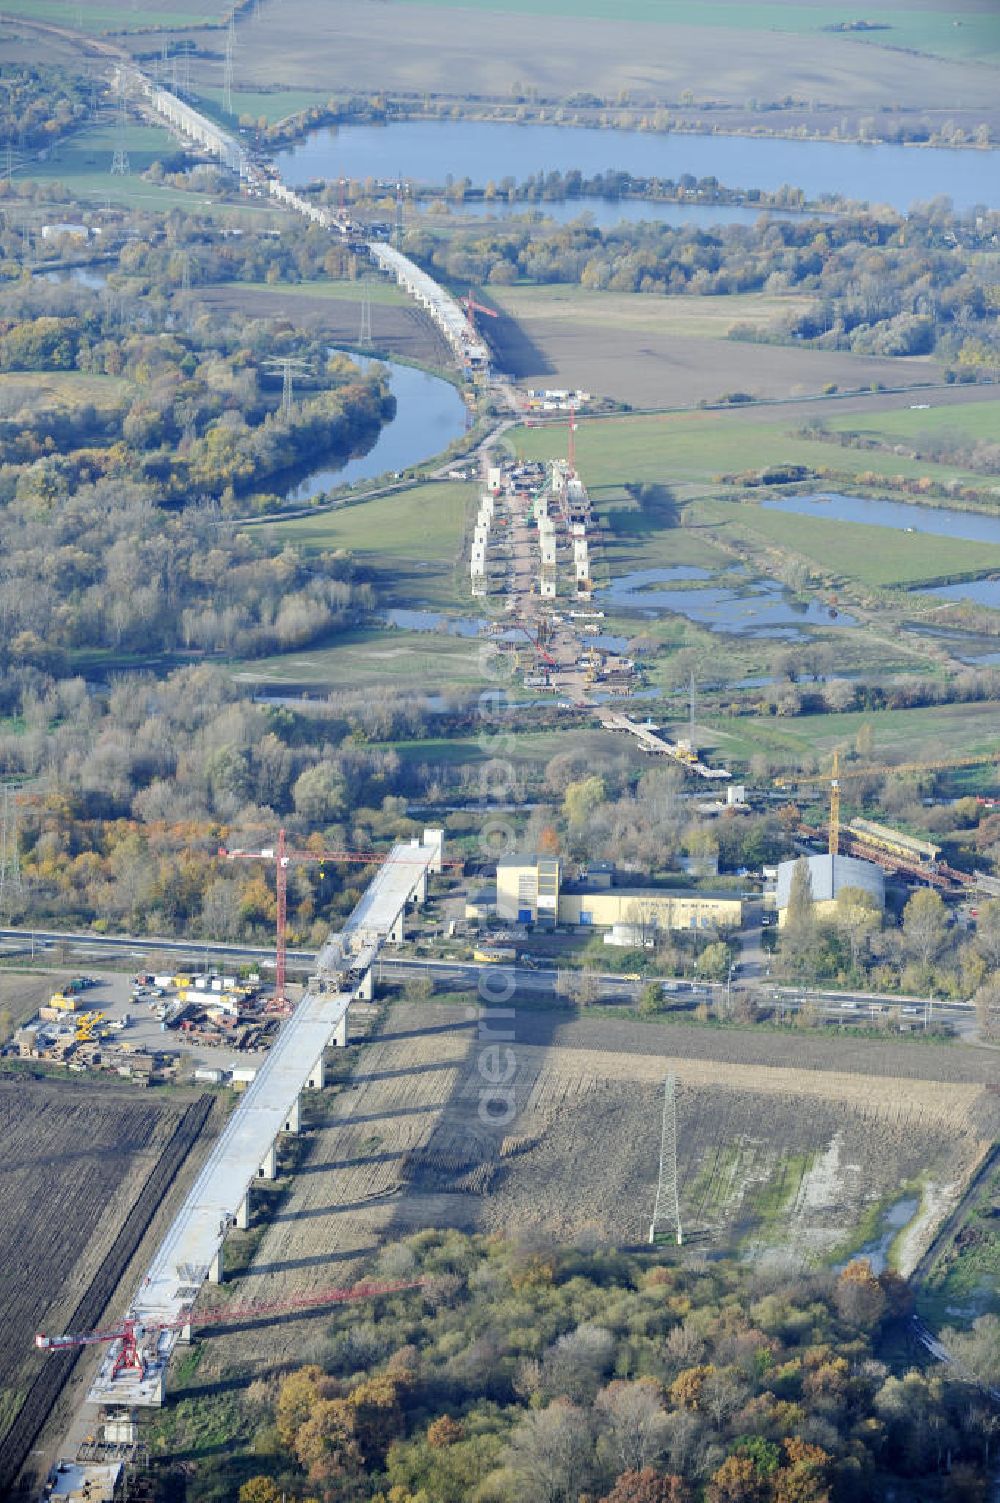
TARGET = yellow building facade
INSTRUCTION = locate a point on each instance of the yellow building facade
(530, 890)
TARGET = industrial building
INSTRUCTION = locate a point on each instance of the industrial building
(829, 876)
(532, 890)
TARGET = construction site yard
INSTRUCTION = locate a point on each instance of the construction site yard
(799, 1149)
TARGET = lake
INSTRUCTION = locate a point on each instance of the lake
(941, 521)
(428, 151)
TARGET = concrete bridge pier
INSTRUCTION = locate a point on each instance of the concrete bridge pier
(243, 1214)
(269, 1168)
(317, 1077)
(293, 1122)
(366, 990)
(340, 1033)
(397, 934)
(215, 1274)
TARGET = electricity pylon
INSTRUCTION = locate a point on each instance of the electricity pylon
(668, 1207)
(365, 332)
(119, 162)
(288, 365)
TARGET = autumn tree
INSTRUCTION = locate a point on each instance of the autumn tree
(859, 1297)
(648, 1486)
(297, 1397)
(327, 1448)
(925, 925)
(582, 798)
(858, 917)
(803, 1478)
(738, 1481)
(550, 1454)
(635, 1422)
(444, 1431)
(260, 1490)
(798, 936)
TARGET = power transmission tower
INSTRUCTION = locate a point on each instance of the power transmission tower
(400, 225)
(227, 77)
(288, 365)
(667, 1210)
(691, 732)
(10, 855)
(365, 332)
(119, 162)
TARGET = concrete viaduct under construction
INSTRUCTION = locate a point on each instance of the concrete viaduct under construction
(471, 352)
(191, 1253)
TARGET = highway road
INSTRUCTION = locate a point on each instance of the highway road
(613, 986)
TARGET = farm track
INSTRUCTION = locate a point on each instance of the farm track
(47, 1385)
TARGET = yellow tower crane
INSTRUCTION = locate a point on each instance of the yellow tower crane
(836, 776)
(834, 843)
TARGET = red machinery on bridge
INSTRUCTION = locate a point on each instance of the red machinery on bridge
(283, 858)
(472, 308)
(131, 1332)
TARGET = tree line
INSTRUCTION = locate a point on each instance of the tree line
(525, 1373)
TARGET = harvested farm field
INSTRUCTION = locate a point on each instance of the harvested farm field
(85, 1169)
(669, 352)
(649, 51)
(398, 328)
(795, 1148)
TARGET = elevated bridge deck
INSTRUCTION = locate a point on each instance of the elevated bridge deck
(190, 1253)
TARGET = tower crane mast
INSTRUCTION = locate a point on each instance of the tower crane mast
(283, 857)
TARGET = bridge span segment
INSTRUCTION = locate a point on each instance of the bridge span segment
(191, 1252)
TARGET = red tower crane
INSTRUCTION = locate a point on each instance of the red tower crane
(472, 307)
(283, 858)
(132, 1331)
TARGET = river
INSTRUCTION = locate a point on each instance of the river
(429, 151)
(430, 414)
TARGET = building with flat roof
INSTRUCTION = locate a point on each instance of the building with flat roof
(828, 876)
(531, 890)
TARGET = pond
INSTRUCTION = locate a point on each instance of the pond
(760, 608)
(430, 414)
(979, 591)
(83, 276)
(941, 521)
(416, 620)
(430, 150)
(891, 1224)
